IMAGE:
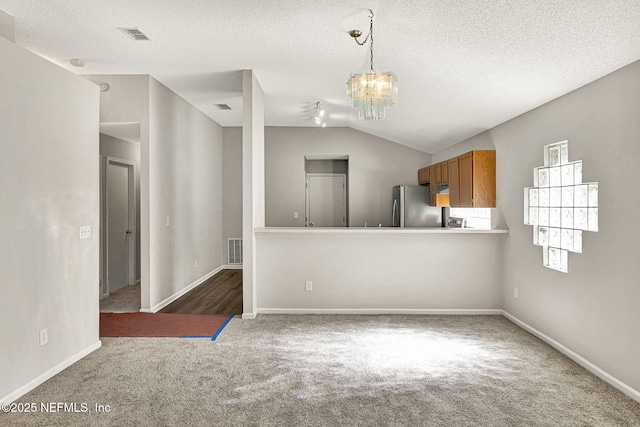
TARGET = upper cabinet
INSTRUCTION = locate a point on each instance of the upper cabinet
(444, 173)
(438, 174)
(433, 175)
(423, 175)
(471, 178)
(454, 181)
(476, 186)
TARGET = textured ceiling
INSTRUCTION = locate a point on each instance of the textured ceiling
(463, 66)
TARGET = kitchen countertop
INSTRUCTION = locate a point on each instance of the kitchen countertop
(375, 230)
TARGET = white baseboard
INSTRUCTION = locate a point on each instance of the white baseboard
(181, 292)
(232, 267)
(249, 316)
(50, 374)
(471, 312)
(604, 376)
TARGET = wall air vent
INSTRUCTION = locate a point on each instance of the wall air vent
(222, 106)
(134, 33)
(234, 254)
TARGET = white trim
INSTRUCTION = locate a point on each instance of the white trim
(232, 267)
(50, 374)
(181, 292)
(604, 376)
(345, 231)
(463, 312)
(249, 316)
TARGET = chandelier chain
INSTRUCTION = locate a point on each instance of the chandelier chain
(369, 38)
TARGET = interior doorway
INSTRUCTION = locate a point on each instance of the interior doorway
(326, 200)
(120, 225)
(120, 218)
(326, 190)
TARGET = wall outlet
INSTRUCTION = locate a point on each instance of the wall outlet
(85, 232)
(515, 293)
(195, 264)
(44, 337)
(168, 221)
(295, 214)
(308, 285)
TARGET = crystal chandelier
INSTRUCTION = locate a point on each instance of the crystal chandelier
(370, 92)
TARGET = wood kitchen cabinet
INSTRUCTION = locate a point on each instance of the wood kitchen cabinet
(432, 180)
(454, 182)
(423, 175)
(472, 180)
(444, 173)
(434, 175)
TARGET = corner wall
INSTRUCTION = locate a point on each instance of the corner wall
(185, 185)
(49, 187)
(593, 309)
(253, 187)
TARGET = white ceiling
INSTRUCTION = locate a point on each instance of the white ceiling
(463, 66)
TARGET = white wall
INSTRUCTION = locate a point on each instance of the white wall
(353, 270)
(375, 166)
(253, 186)
(232, 192)
(49, 188)
(593, 309)
(185, 184)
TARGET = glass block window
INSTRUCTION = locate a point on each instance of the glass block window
(560, 206)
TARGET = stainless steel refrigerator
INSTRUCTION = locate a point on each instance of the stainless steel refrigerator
(411, 207)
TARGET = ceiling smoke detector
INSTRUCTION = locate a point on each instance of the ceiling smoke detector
(222, 106)
(134, 33)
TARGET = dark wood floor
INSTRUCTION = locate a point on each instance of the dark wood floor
(221, 294)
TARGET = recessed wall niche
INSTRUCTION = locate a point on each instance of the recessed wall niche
(560, 206)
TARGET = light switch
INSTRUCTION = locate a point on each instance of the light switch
(85, 232)
(295, 214)
(168, 221)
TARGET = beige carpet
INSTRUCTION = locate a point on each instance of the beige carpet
(125, 300)
(335, 371)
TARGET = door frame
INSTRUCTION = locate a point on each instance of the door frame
(105, 161)
(307, 207)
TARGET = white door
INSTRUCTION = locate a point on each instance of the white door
(120, 223)
(326, 200)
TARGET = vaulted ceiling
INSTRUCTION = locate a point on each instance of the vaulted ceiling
(462, 66)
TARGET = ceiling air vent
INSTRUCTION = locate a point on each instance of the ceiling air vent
(134, 33)
(222, 106)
